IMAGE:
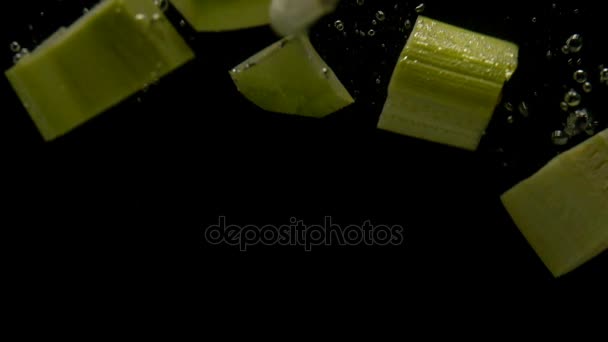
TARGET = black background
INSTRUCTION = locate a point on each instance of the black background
(119, 205)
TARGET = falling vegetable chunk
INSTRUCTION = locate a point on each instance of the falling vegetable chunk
(447, 83)
(224, 15)
(563, 209)
(107, 55)
(290, 77)
(294, 16)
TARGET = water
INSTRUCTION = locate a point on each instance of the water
(560, 69)
(189, 149)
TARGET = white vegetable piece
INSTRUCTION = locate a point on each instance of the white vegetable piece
(290, 17)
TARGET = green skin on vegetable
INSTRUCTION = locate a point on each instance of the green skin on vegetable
(290, 77)
(447, 83)
(224, 15)
(113, 51)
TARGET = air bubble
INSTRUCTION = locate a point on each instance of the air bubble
(523, 109)
(371, 33)
(17, 57)
(15, 47)
(604, 75)
(339, 25)
(575, 43)
(587, 87)
(559, 138)
(380, 16)
(572, 98)
(163, 5)
(578, 121)
(580, 76)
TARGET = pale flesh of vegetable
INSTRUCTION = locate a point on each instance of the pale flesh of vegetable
(110, 53)
(447, 83)
(290, 17)
(563, 209)
(224, 15)
(290, 77)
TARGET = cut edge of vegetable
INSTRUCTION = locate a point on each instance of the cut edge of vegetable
(290, 77)
(562, 238)
(222, 15)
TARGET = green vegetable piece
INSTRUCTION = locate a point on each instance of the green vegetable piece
(110, 53)
(290, 77)
(563, 209)
(447, 83)
(224, 15)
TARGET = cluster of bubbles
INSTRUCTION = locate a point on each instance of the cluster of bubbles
(522, 109)
(380, 21)
(19, 51)
(380, 16)
(579, 120)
